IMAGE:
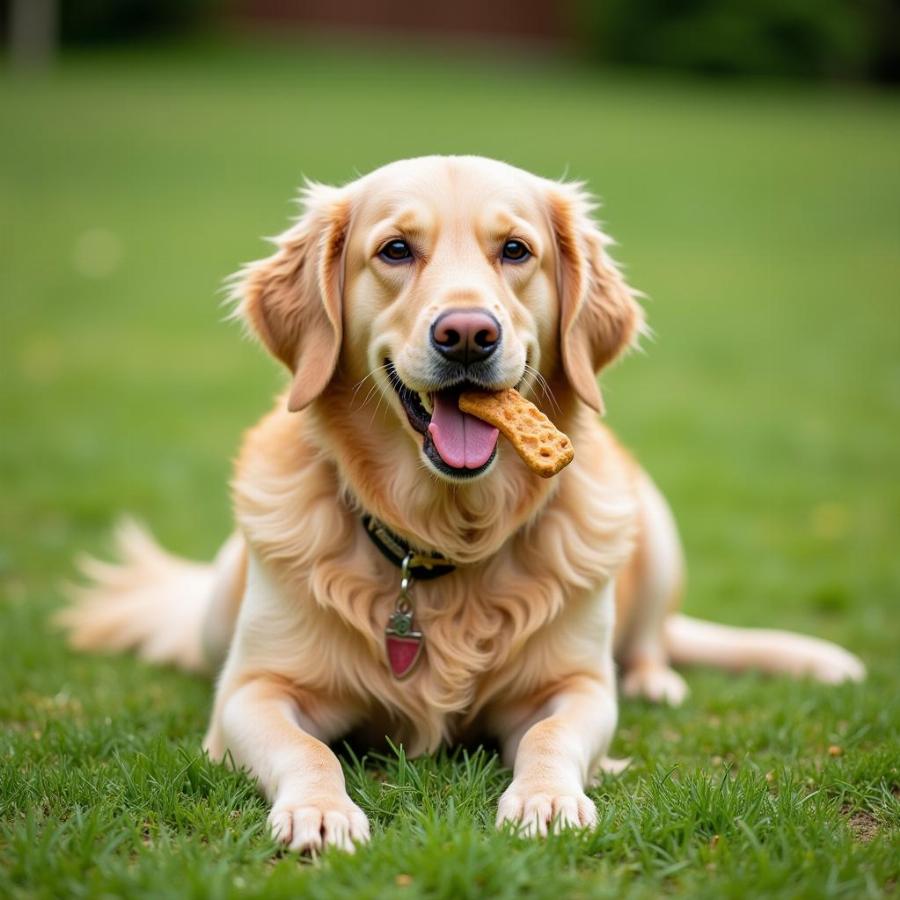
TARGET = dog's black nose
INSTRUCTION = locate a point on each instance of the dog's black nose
(465, 335)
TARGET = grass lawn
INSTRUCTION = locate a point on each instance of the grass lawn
(763, 222)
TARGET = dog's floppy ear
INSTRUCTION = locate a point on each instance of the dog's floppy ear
(600, 317)
(292, 299)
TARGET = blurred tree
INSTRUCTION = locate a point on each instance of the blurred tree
(90, 21)
(33, 26)
(819, 38)
(886, 59)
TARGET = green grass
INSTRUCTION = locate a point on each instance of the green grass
(764, 223)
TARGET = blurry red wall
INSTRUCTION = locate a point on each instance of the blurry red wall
(541, 20)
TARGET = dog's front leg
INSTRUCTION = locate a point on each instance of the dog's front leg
(555, 753)
(263, 726)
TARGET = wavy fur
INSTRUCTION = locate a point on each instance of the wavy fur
(520, 638)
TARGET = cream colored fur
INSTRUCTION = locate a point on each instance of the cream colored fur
(151, 601)
(552, 578)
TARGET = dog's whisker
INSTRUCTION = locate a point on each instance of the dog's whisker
(363, 380)
(375, 387)
(547, 391)
(544, 386)
(381, 399)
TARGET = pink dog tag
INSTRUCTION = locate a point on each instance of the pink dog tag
(403, 643)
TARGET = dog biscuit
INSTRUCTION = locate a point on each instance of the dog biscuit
(542, 446)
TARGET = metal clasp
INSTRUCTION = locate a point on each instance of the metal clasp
(404, 601)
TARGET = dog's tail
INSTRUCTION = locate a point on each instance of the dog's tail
(150, 602)
(692, 641)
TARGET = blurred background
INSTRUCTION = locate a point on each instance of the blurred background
(829, 39)
(748, 158)
(747, 154)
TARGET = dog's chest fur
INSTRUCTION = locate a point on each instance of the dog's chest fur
(531, 614)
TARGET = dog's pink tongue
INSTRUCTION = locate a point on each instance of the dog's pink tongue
(463, 441)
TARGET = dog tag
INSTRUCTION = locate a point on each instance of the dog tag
(403, 643)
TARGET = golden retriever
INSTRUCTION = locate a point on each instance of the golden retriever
(385, 299)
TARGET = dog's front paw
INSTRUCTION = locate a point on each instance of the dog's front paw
(536, 811)
(309, 825)
(656, 683)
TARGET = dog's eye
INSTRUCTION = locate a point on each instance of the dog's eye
(396, 251)
(516, 251)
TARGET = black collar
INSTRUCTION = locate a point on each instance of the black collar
(423, 566)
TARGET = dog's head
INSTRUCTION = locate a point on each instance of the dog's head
(438, 274)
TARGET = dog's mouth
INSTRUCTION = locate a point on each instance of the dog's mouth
(455, 443)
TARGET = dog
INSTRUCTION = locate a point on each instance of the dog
(395, 567)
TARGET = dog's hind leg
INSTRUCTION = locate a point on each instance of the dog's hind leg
(656, 583)
(224, 602)
(651, 635)
(694, 642)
